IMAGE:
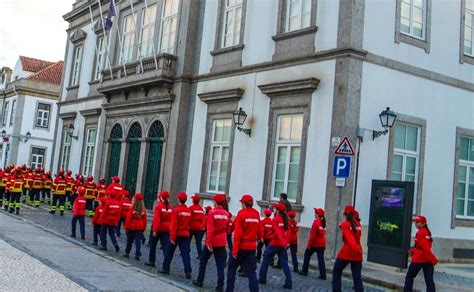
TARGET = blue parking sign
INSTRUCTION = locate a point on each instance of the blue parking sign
(342, 166)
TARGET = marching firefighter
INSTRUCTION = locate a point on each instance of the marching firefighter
(196, 224)
(69, 189)
(316, 244)
(109, 220)
(293, 240)
(8, 174)
(125, 204)
(179, 236)
(16, 187)
(267, 227)
(135, 225)
(350, 253)
(90, 195)
(3, 184)
(47, 183)
(96, 223)
(216, 241)
(246, 234)
(100, 191)
(28, 177)
(36, 187)
(78, 213)
(422, 256)
(59, 193)
(160, 227)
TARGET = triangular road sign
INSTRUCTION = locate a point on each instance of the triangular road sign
(345, 148)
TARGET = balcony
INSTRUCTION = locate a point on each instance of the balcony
(133, 76)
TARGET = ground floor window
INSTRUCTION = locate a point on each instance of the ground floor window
(37, 157)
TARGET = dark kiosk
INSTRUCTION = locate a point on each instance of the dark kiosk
(391, 210)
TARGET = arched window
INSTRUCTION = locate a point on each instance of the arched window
(156, 130)
(116, 132)
(135, 131)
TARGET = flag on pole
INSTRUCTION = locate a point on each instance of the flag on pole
(110, 14)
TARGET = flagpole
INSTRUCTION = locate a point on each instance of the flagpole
(138, 45)
(152, 40)
(96, 48)
(106, 39)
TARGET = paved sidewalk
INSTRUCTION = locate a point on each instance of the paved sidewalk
(69, 265)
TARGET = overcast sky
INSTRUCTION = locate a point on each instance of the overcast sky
(33, 28)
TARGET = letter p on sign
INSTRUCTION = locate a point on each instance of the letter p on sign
(342, 166)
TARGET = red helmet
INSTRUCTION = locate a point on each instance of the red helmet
(29, 168)
(61, 172)
(81, 191)
(116, 179)
(1, 170)
(90, 178)
(18, 169)
(80, 177)
(102, 180)
(12, 171)
(68, 172)
(38, 169)
(23, 166)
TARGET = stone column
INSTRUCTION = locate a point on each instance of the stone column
(141, 173)
(123, 159)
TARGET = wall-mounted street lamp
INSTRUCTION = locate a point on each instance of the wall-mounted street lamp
(4, 133)
(70, 131)
(239, 119)
(387, 119)
(27, 136)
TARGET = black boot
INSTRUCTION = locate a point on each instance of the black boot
(62, 213)
(149, 264)
(117, 248)
(17, 211)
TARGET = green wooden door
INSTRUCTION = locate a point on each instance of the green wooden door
(153, 172)
(115, 148)
(132, 166)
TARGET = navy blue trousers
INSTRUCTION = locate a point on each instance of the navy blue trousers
(356, 269)
(183, 243)
(220, 255)
(164, 238)
(321, 264)
(134, 236)
(268, 255)
(248, 261)
(413, 270)
(103, 234)
(82, 227)
(198, 235)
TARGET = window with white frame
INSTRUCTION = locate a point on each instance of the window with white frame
(89, 151)
(406, 153)
(413, 18)
(169, 19)
(232, 23)
(100, 57)
(42, 115)
(469, 28)
(219, 155)
(5, 114)
(298, 14)
(287, 156)
(37, 157)
(12, 115)
(465, 193)
(76, 66)
(66, 150)
(147, 31)
(128, 38)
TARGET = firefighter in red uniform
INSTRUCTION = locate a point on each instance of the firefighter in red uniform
(350, 253)
(316, 244)
(96, 223)
(109, 220)
(90, 195)
(135, 224)
(115, 187)
(16, 187)
(267, 227)
(69, 189)
(3, 184)
(196, 224)
(28, 176)
(422, 256)
(47, 183)
(247, 231)
(100, 191)
(126, 204)
(179, 236)
(293, 229)
(160, 227)
(36, 187)
(278, 245)
(8, 175)
(216, 241)
(78, 213)
(59, 192)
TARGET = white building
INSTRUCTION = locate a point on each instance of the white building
(308, 71)
(29, 96)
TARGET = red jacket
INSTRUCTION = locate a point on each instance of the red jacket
(100, 191)
(179, 225)
(293, 231)
(422, 253)
(116, 188)
(197, 221)
(351, 250)
(247, 230)
(161, 218)
(79, 207)
(37, 181)
(111, 214)
(135, 221)
(317, 235)
(267, 228)
(216, 235)
(280, 235)
(230, 226)
(90, 190)
(59, 186)
(126, 205)
(97, 215)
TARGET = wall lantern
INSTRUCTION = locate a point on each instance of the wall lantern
(239, 119)
(4, 133)
(70, 131)
(387, 119)
(27, 136)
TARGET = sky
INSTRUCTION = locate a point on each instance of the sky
(33, 28)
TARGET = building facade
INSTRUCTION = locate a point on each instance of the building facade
(29, 95)
(306, 72)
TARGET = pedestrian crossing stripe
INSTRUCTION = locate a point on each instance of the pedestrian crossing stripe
(345, 148)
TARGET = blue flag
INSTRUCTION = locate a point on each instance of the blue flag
(111, 13)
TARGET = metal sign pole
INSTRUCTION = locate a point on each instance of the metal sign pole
(337, 221)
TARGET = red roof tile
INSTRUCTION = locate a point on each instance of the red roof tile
(33, 65)
(51, 74)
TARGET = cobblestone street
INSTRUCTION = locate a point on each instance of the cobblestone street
(93, 269)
